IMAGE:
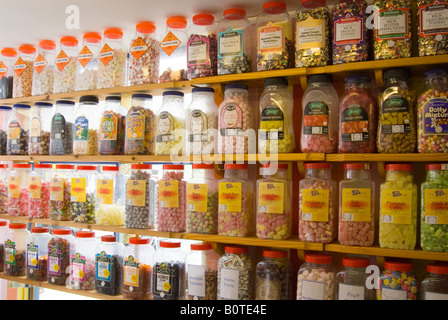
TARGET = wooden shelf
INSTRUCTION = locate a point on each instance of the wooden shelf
(376, 157)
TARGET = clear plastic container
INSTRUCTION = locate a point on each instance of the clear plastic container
(273, 276)
(202, 47)
(60, 192)
(320, 116)
(8, 58)
(357, 206)
(397, 281)
(37, 254)
(83, 197)
(318, 216)
(85, 134)
(66, 60)
(434, 285)
(18, 192)
(18, 130)
(83, 262)
(87, 66)
(39, 191)
(202, 200)
(109, 258)
(201, 272)
(275, 43)
(351, 280)
(16, 239)
(236, 194)
(62, 128)
(316, 278)
(3, 231)
(398, 208)
(112, 127)
(23, 71)
(138, 269)
(112, 60)
(61, 247)
(40, 127)
(276, 133)
(4, 173)
(44, 68)
(173, 50)
(169, 272)
(432, 28)
(5, 114)
(170, 124)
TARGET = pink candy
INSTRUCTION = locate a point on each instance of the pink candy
(237, 224)
(273, 225)
(19, 206)
(40, 208)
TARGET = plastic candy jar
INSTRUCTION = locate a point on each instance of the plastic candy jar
(433, 113)
(398, 208)
(313, 34)
(170, 124)
(5, 114)
(37, 254)
(140, 126)
(235, 215)
(201, 272)
(316, 278)
(62, 128)
(144, 55)
(112, 127)
(112, 64)
(61, 247)
(39, 191)
(235, 274)
(396, 123)
(317, 204)
(357, 206)
(140, 198)
(4, 173)
(172, 190)
(60, 192)
(169, 272)
(236, 118)
(109, 266)
(8, 58)
(202, 200)
(138, 269)
(82, 263)
(397, 282)
(23, 71)
(357, 117)
(44, 68)
(392, 29)
(201, 122)
(16, 240)
(274, 205)
(40, 126)
(276, 133)
(434, 285)
(87, 66)
(85, 134)
(110, 197)
(18, 192)
(432, 27)
(18, 130)
(434, 209)
(202, 47)
(65, 71)
(83, 187)
(3, 231)
(273, 277)
(320, 116)
(173, 50)
(351, 280)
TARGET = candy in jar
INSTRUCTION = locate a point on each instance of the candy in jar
(62, 128)
(112, 64)
(8, 58)
(5, 113)
(18, 190)
(18, 130)
(82, 262)
(82, 194)
(23, 71)
(3, 231)
(16, 239)
(398, 208)
(65, 71)
(85, 134)
(434, 285)
(60, 249)
(37, 254)
(40, 126)
(316, 278)
(44, 68)
(432, 27)
(39, 191)
(87, 66)
(351, 280)
(4, 173)
(60, 192)
(109, 266)
(112, 127)
(397, 281)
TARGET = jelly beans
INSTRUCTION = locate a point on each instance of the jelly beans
(397, 282)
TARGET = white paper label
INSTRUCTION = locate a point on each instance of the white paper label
(313, 290)
(391, 294)
(347, 292)
(196, 280)
(271, 39)
(229, 284)
(434, 20)
(435, 296)
(197, 53)
(392, 25)
(349, 31)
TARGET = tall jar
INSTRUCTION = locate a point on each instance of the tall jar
(397, 281)
(202, 47)
(202, 200)
(85, 134)
(8, 58)
(65, 71)
(320, 116)
(82, 194)
(313, 34)
(82, 263)
(397, 123)
(5, 114)
(173, 51)
(398, 208)
(87, 66)
(44, 68)
(40, 127)
(37, 254)
(109, 266)
(112, 127)
(61, 247)
(432, 28)
(23, 71)
(316, 278)
(170, 124)
(4, 174)
(16, 240)
(357, 117)
(144, 55)
(434, 285)
(317, 204)
(3, 231)
(62, 128)
(18, 130)
(433, 112)
(201, 122)
(236, 192)
(235, 274)
(276, 133)
(275, 44)
(351, 280)
(39, 191)
(112, 60)
(60, 192)
(274, 202)
(18, 192)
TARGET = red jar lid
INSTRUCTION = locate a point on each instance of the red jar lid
(322, 165)
(65, 166)
(43, 166)
(318, 258)
(202, 166)
(85, 234)
(113, 33)
(399, 167)
(3, 223)
(17, 226)
(3, 166)
(235, 166)
(108, 238)
(357, 166)
(92, 37)
(235, 250)
(40, 230)
(281, 166)
(234, 14)
(141, 166)
(21, 165)
(203, 19)
(47, 44)
(173, 167)
(86, 168)
(313, 3)
(274, 7)
(398, 266)
(138, 240)
(62, 231)
(9, 52)
(202, 246)
(27, 49)
(437, 166)
(275, 254)
(145, 27)
(69, 41)
(110, 168)
(176, 22)
(437, 268)
(355, 262)
(169, 244)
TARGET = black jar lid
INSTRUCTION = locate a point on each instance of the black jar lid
(275, 81)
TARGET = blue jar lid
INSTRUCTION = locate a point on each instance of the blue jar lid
(23, 106)
(173, 93)
(141, 96)
(43, 104)
(436, 72)
(68, 103)
(203, 89)
(113, 98)
(358, 78)
(236, 86)
(5, 108)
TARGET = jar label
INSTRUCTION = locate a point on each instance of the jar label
(105, 191)
(315, 204)
(138, 48)
(197, 197)
(84, 56)
(316, 118)
(355, 124)
(81, 129)
(436, 206)
(311, 33)
(54, 260)
(392, 294)
(396, 206)
(165, 277)
(271, 197)
(19, 67)
(14, 132)
(103, 266)
(349, 31)
(35, 128)
(78, 189)
(436, 116)
(272, 123)
(136, 193)
(165, 127)
(230, 43)
(356, 204)
(196, 280)
(169, 194)
(3, 69)
(58, 127)
(268, 289)
(14, 187)
(57, 186)
(198, 52)
(32, 255)
(170, 43)
(399, 123)
(350, 292)
(435, 296)
(230, 196)
(131, 271)
(229, 284)
(106, 54)
(35, 187)
(433, 18)
(271, 38)
(313, 290)
(231, 120)
(40, 63)
(135, 126)
(62, 60)
(392, 24)
(10, 252)
(109, 127)
(198, 124)
(78, 264)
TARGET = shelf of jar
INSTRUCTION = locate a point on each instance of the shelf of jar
(387, 157)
